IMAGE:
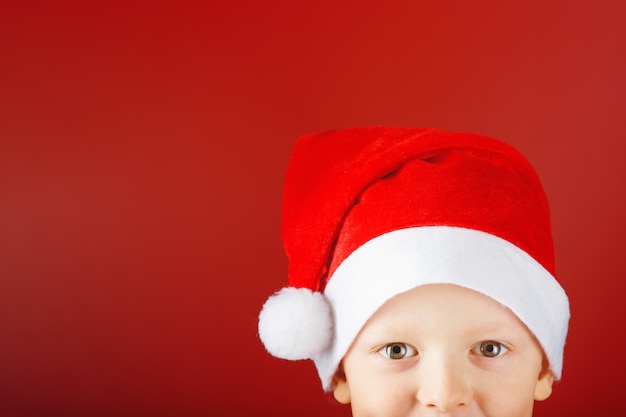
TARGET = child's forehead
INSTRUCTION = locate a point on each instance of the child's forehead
(443, 306)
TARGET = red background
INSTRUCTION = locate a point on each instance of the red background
(142, 154)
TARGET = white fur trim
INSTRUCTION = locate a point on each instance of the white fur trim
(296, 323)
(404, 259)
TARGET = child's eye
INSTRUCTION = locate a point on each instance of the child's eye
(491, 349)
(397, 350)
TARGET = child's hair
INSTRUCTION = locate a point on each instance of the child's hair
(369, 213)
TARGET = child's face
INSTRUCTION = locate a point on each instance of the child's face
(443, 350)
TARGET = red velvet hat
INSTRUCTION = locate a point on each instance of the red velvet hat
(369, 213)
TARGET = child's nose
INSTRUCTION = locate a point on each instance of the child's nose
(442, 384)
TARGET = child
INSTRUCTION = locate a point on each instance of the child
(421, 274)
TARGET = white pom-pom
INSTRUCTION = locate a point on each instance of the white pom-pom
(296, 323)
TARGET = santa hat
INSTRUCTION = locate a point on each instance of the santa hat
(369, 213)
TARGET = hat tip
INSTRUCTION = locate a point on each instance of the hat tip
(296, 324)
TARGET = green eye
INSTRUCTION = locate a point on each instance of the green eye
(397, 350)
(491, 349)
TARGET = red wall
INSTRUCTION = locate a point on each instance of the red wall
(142, 154)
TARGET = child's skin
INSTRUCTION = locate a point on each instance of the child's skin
(443, 350)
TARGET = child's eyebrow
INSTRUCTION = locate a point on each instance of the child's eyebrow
(495, 328)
